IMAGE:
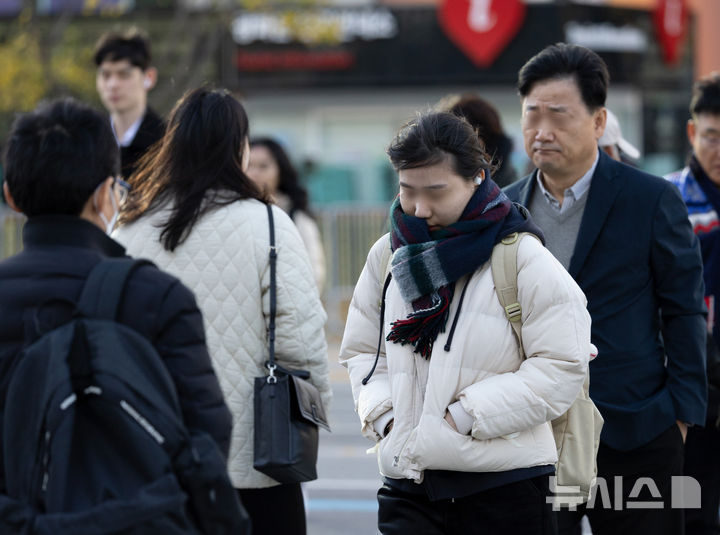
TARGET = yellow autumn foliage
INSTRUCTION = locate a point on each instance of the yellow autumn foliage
(25, 79)
(22, 80)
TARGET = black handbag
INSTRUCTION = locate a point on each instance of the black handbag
(288, 409)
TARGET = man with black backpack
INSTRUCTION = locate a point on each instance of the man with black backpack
(111, 416)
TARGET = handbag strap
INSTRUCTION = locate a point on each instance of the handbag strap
(272, 366)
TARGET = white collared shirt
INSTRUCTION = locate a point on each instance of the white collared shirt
(572, 194)
(129, 135)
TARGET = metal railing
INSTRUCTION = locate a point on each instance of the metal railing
(348, 232)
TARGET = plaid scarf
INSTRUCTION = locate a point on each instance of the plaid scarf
(426, 263)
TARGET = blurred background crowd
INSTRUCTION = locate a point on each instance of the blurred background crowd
(331, 81)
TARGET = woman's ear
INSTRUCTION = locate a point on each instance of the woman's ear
(246, 156)
(9, 198)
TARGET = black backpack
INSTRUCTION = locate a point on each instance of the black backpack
(93, 435)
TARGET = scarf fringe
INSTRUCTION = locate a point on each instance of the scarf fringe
(421, 328)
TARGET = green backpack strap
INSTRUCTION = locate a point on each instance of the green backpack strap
(577, 431)
(503, 263)
(385, 261)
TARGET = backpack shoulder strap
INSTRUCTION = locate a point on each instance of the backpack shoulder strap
(385, 260)
(503, 264)
(104, 287)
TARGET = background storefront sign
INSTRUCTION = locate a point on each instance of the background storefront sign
(671, 22)
(415, 50)
(481, 28)
(314, 27)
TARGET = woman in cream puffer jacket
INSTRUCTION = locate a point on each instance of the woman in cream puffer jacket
(462, 420)
(222, 254)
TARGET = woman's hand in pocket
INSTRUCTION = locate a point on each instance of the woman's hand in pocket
(450, 420)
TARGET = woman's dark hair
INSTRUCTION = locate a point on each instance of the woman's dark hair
(57, 155)
(196, 166)
(706, 95)
(429, 139)
(289, 181)
(568, 61)
(485, 119)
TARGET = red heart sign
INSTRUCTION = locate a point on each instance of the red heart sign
(671, 21)
(481, 28)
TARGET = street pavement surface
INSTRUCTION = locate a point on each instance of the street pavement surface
(343, 498)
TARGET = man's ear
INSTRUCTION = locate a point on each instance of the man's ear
(691, 131)
(151, 75)
(98, 203)
(9, 198)
(600, 119)
(102, 196)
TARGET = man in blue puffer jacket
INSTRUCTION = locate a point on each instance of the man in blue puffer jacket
(699, 185)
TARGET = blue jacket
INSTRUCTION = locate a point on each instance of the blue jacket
(706, 225)
(638, 262)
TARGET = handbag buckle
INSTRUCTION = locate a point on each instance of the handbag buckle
(271, 376)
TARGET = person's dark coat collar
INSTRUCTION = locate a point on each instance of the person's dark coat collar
(604, 188)
(68, 231)
(151, 129)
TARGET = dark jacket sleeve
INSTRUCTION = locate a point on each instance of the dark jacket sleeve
(181, 343)
(677, 271)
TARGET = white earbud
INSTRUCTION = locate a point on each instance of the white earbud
(146, 83)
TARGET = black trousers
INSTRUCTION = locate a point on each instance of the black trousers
(614, 511)
(702, 461)
(519, 508)
(278, 510)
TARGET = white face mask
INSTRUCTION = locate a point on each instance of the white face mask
(109, 225)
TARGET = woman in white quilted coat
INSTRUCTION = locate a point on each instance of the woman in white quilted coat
(461, 419)
(196, 214)
(271, 169)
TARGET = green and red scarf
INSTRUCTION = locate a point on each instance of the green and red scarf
(427, 263)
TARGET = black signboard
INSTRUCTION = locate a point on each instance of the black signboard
(418, 52)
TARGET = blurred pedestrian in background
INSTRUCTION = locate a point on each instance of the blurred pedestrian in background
(124, 77)
(614, 144)
(460, 412)
(195, 213)
(699, 185)
(271, 169)
(625, 238)
(485, 119)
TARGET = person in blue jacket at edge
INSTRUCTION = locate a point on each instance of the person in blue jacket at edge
(698, 183)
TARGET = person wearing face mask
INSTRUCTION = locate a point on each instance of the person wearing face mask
(61, 162)
(461, 417)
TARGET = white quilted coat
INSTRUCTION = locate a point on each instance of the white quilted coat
(225, 262)
(510, 400)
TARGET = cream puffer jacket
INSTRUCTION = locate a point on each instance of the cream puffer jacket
(510, 400)
(225, 262)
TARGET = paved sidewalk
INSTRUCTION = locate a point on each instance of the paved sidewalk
(342, 499)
